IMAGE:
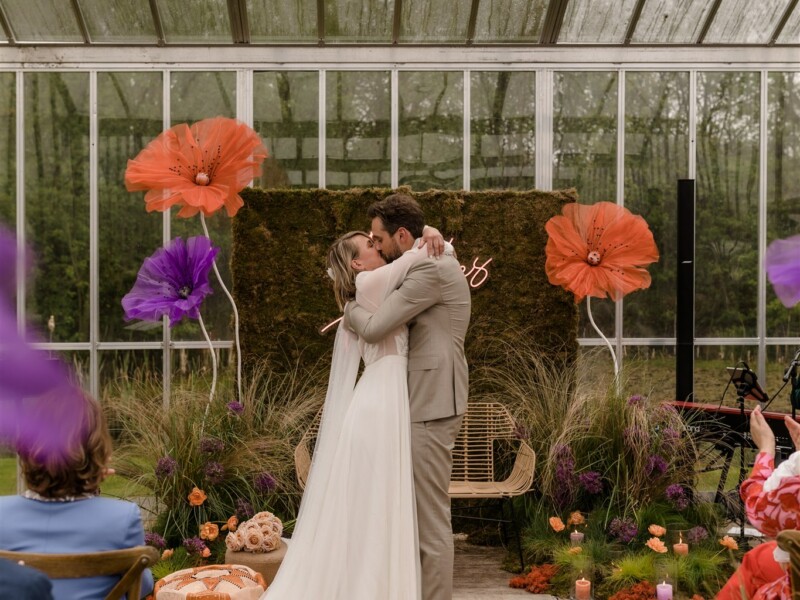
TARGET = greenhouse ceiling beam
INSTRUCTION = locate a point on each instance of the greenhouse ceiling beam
(782, 23)
(7, 27)
(709, 20)
(321, 22)
(157, 23)
(637, 13)
(240, 28)
(473, 18)
(553, 21)
(397, 20)
(76, 10)
(420, 57)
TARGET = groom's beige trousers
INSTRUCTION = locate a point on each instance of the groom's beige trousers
(432, 454)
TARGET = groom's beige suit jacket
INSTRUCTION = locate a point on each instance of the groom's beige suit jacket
(434, 299)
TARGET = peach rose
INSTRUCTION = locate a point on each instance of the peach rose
(656, 545)
(209, 531)
(729, 543)
(231, 524)
(253, 539)
(234, 542)
(197, 497)
(205, 553)
(167, 554)
(656, 530)
(576, 518)
(557, 524)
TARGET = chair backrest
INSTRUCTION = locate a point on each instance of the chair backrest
(304, 449)
(789, 541)
(484, 424)
(129, 563)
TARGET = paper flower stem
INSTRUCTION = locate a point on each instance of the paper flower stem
(213, 372)
(235, 318)
(600, 333)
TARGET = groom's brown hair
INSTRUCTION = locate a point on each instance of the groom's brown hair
(399, 210)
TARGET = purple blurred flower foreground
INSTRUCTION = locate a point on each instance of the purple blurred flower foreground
(40, 407)
(783, 269)
(172, 282)
(154, 540)
(623, 529)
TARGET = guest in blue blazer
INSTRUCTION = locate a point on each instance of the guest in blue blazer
(62, 512)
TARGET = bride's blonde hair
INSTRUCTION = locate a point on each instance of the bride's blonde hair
(340, 260)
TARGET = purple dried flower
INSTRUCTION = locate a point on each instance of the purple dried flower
(624, 530)
(154, 540)
(591, 481)
(236, 408)
(696, 535)
(264, 482)
(670, 437)
(194, 545)
(564, 476)
(214, 472)
(244, 510)
(635, 400)
(656, 465)
(172, 282)
(674, 491)
(166, 467)
(211, 445)
(521, 432)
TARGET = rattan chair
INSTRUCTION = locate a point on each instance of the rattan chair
(789, 541)
(488, 434)
(129, 563)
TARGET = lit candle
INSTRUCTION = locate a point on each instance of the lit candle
(583, 589)
(576, 537)
(680, 547)
(664, 591)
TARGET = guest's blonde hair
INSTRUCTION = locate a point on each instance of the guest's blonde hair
(340, 260)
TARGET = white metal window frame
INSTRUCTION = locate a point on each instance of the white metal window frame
(461, 60)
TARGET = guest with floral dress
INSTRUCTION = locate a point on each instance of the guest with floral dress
(772, 501)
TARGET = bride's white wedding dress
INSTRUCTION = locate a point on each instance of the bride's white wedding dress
(356, 533)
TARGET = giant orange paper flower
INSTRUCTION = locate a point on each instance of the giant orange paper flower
(599, 250)
(198, 168)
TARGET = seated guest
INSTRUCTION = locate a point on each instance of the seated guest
(772, 501)
(23, 583)
(61, 512)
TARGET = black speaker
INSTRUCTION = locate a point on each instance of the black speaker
(684, 306)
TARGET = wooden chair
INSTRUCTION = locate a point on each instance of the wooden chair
(789, 541)
(486, 431)
(129, 563)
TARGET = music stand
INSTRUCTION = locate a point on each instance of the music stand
(747, 388)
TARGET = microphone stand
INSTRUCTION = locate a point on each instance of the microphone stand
(791, 374)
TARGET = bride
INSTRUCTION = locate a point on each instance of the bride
(356, 532)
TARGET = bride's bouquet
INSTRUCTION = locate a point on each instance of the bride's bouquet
(260, 534)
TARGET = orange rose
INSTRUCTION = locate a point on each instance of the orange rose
(729, 543)
(656, 545)
(197, 497)
(167, 554)
(209, 531)
(656, 530)
(232, 524)
(557, 524)
(576, 518)
(205, 553)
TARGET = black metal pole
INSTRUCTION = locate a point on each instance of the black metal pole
(684, 305)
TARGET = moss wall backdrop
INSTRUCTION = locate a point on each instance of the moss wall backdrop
(281, 239)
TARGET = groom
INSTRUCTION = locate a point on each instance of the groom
(434, 300)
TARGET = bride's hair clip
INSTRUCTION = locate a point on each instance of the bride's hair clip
(331, 274)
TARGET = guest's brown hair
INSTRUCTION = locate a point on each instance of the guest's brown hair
(77, 470)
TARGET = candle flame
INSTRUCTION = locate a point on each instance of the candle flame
(680, 538)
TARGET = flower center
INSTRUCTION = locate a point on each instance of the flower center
(184, 292)
(202, 178)
(593, 258)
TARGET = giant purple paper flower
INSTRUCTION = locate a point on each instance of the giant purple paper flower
(783, 269)
(172, 282)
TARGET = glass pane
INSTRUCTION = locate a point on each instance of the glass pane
(130, 373)
(206, 21)
(745, 22)
(434, 21)
(783, 184)
(57, 201)
(359, 21)
(650, 371)
(596, 21)
(431, 130)
(129, 117)
(791, 31)
(585, 155)
(358, 107)
(42, 20)
(272, 21)
(120, 21)
(726, 247)
(286, 116)
(192, 372)
(8, 149)
(196, 96)
(656, 156)
(503, 130)
(671, 21)
(510, 20)
(778, 359)
(710, 375)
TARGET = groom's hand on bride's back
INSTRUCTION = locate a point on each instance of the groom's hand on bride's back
(434, 239)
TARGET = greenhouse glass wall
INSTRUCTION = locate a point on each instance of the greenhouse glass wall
(616, 121)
